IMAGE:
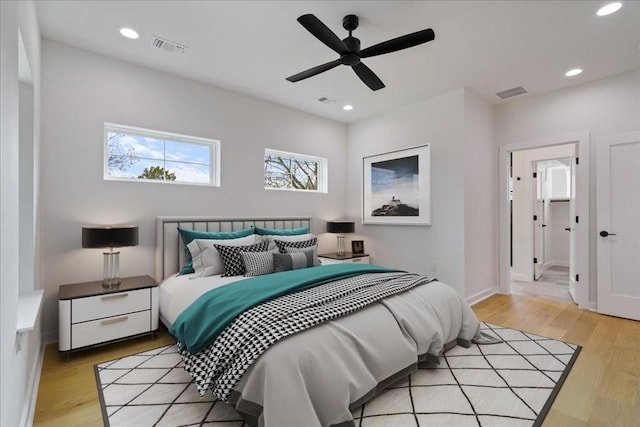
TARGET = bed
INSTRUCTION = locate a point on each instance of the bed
(309, 357)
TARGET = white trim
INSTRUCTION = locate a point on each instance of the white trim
(555, 263)
(520, 276)
(213, 144)
(583, 141)
(480, 296)
(50, 337)
(29, 408)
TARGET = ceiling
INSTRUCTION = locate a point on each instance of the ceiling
(252, 46)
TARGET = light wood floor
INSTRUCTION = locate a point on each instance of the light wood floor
(68, 395)
(603, 388)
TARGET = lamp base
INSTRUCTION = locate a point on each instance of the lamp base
(111, 285)
(111, 273)
(340, 249)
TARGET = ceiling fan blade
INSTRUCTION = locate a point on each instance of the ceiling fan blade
(313, 71)
(323, 33)
(399, 43)
(367, 76)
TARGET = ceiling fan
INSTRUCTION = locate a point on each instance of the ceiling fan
(349, 48)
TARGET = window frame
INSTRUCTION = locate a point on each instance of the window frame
(323, 166)
(214, 153)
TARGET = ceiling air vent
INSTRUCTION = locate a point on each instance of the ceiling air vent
(327, 100)
(168, 46)
(514, 91)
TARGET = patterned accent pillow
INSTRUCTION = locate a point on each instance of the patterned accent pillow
(313, 249)
(292, 261)
(283, 244)
(233, 263)
(257, 263)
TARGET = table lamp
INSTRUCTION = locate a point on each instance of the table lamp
(110, 236)
(340, 228)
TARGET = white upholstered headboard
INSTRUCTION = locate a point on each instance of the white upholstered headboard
(169, 246)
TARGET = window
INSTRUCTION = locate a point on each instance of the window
(135, 154)
(290, 171)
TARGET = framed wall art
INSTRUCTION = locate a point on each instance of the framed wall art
(397, 187)
(357, 247)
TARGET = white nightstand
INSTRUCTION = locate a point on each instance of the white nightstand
(348, 257)
(90, 315)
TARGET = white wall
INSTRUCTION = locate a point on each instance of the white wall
(480, 199)
(16, 365)
(602, 107)
(82, 90)
(27, 176)
(459, 126)
(439, 122)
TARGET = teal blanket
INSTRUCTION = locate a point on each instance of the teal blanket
(202, 321)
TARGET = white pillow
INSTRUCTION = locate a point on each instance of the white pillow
(298, 238)
(213, 262)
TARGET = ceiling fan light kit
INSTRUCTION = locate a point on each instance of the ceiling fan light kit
(349, 48)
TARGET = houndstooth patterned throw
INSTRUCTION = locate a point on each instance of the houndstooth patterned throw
(221, 365)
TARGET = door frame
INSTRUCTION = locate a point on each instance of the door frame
(582, 140)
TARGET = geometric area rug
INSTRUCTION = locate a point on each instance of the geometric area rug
(512, 383)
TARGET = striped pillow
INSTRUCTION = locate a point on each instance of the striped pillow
(292, 261)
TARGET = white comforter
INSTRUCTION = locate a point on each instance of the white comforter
(315, 377)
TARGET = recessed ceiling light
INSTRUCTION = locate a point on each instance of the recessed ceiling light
(610, 8)
(347, 107)
(573, 72)
(129, 33)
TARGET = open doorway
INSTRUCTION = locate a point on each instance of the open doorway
(544, 222)
(542, 203)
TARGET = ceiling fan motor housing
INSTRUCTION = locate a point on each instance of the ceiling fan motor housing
(350, 22)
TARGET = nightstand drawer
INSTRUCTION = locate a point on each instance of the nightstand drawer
(361, 260)
(109, 305)
(111, 328)
(355, 260)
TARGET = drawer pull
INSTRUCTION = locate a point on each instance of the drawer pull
(115, 320)
(357, 260)
(116, 296)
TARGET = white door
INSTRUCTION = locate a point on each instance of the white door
(573, 259)
(538, 220)
(618, 225)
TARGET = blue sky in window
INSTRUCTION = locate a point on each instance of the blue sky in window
(189, 161)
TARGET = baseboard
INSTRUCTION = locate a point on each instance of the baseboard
(557, 263)
(474, 299)
(29, 408)
(519, 276)
(50, 337)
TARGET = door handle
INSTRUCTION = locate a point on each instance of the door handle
(544, 225)
(606, 233)
(568, 229)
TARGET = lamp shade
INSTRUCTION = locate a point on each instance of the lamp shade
(341, 227)
(110, 236)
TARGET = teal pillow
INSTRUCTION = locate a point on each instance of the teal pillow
(282, 232)
(189, 235)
